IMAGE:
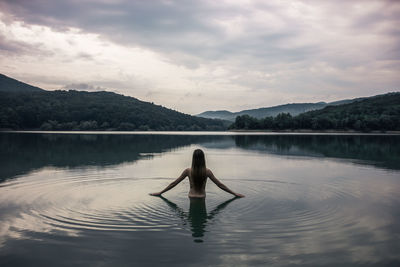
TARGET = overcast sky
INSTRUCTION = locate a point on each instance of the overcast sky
(194, 56)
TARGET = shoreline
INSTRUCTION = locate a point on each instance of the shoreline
(230, 132)
(321, 131)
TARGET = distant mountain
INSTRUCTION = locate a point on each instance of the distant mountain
(27, 107)
(219, 114)
(293, 109)
(8, 84)
(377, 113)
(346, 101)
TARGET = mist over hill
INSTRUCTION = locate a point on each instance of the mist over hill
(259, 113)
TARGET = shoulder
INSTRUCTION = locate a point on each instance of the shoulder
(186, 172)
(211, 176)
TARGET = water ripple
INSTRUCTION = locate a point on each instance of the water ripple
(80, 201)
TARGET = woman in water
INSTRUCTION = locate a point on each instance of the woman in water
(198, 175)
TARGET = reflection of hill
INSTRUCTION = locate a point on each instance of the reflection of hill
(20, 153)
(382, 151)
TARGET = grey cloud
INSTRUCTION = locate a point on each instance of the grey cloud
(186, 27)
(83, 86)
(12, 47)
(126, 87)
(188, 33)
(186, 30)
(389, 12)
(85, 56)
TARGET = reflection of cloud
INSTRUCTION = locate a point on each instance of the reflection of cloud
(322, 212)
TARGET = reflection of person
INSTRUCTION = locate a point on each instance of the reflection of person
(197, 216)
(198, 175)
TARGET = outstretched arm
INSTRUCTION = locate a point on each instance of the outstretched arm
(173, 184)
(221, 185)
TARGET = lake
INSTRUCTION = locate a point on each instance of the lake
(82, 200)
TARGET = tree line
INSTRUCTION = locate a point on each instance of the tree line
(379, 113)
(80, 110)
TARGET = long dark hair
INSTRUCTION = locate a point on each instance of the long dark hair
(198, 167)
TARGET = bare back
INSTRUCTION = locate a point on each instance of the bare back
(197, 190)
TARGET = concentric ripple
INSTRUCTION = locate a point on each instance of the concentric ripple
(279, 208)
(64, 201)
(75, 201)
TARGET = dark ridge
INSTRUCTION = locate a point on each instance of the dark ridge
(8, 84)
(33, 108)
(378, 113)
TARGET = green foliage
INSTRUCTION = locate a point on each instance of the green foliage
(80, 110)
(379, 113)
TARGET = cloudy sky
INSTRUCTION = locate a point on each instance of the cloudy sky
(194, 56)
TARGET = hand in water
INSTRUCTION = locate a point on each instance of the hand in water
(155, 194)
(239, 195)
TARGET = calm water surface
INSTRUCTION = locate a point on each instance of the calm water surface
(82, 199)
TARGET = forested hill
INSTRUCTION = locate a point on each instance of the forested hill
(81, 110)
(380, 113)
(259, 113)
(8, 84)
(293, 109)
